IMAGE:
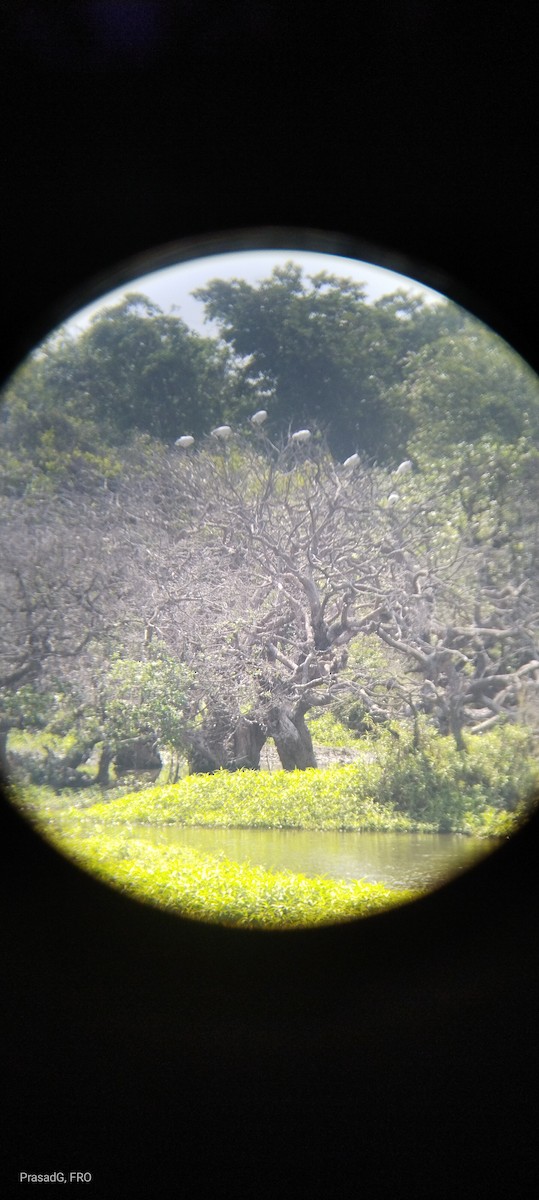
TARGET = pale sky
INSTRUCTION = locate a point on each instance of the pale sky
(170, 287)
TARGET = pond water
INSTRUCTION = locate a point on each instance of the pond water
(399, 860)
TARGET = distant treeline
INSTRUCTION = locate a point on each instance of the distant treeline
(391, 379)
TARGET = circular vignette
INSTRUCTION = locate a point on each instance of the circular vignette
(293, 241)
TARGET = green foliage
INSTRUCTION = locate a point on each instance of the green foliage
(49, 439)
(76, 398)
(409, 779)
(131, 700)
(145, 696)
(327, 730)
(436, 783)
(213, 888)
(314, 348)
(21, 742)
(147, 371)
(467, 385)
(344, 798)
(26, 708)
(394, 786)
(489, 822)
(395, 377)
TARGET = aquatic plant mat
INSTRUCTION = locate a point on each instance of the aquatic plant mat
(214, 888)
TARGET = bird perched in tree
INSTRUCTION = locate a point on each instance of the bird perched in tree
(259, 417)
(302, 435)
(404, 468)
(351, 462)
(222, 431)
(393, 499)
(184, 441)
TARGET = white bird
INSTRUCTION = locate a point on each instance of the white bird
(222, 431)
(393, 498)
(404, 468)
(302, 435)
(184, 441)
(259, 417)
(351, 462)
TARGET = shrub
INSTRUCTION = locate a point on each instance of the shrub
(434, 782)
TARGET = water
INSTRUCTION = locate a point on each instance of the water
(399, 860)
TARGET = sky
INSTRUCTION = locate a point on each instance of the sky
(170, 286)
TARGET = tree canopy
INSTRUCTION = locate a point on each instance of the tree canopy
(388, 379)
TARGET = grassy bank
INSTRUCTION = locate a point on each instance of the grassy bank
(336, 798)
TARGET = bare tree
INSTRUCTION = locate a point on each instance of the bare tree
(60, 592)
(271, 573)
(269, 568)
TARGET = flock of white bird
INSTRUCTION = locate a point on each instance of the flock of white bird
(223, 432)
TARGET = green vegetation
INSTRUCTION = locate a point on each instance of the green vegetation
(327, 730)
(397, 786)
(213, 888)
(397, 377)
(335, 798)
(487, 790)
(394, 785)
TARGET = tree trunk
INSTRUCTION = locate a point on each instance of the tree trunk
(292, 739)
(140, 754)
(240, 750)
(456, 730)
(249, 738)
(201, 759)
(4, 733)
(105, 759)
(455, 724)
